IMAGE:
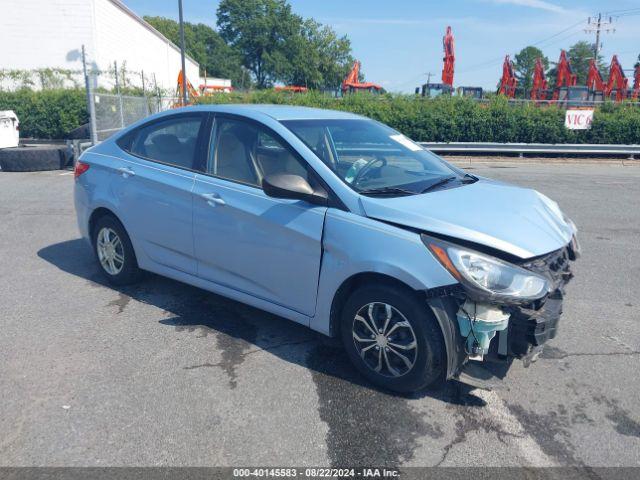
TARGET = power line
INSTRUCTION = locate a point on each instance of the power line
(615, 12)
(494, 61)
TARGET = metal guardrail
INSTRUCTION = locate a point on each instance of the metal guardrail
(532, 148)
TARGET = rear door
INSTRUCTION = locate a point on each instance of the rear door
(153, 185)
(265, 247)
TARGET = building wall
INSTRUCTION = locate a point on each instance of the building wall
(43, 33)
(36, 34)
(120, 37)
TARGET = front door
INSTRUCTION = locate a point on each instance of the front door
(268, 248)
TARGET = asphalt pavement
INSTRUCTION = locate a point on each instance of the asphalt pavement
(164, 374)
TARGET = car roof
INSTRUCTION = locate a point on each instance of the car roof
(277, 112)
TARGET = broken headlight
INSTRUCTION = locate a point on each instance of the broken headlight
(488, 278)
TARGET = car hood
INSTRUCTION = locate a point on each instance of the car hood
(515, 220)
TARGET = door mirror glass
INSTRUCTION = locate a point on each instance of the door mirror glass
(293, 187)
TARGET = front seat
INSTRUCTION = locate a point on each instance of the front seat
(233, 161)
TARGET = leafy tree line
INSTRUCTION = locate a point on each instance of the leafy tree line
(261, 42)
(54, 113)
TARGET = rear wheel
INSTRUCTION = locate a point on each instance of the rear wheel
(114, 252)
(393, 338)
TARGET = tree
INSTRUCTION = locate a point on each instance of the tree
(262, 31)
(318, 57)
(206, 47)
(524, 65)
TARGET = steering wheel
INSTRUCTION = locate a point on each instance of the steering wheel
(368, 166)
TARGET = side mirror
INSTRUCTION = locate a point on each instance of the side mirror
(292, 187)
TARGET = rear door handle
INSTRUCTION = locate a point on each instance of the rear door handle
(213, 199)
(126, 172)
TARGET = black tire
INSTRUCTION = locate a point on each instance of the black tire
(33, 159)
(428, 360)
(130, 272)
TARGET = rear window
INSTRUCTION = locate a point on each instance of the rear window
(171, 141)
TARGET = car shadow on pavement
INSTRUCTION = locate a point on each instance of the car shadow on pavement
(238, 329)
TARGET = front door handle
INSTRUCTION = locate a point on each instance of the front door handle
(126, 172)
(213, 199)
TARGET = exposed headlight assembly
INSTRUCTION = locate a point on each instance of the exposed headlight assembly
(487, 278)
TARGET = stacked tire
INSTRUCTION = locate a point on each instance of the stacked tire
(34, 158)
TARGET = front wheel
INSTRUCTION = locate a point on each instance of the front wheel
(393, 338)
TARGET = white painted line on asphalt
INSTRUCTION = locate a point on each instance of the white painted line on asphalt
(66, 173)
(529, 451)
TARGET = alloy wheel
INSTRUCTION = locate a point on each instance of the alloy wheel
(384, 339)
(110, 251)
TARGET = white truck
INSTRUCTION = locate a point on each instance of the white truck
(9, 129)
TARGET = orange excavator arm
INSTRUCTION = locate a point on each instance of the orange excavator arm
(617, 80)
(182, 80)
(538, 91)
(594, 79)
(448, 43)
(351, 81)
(565, 77)
(636, 83)
(508, 82)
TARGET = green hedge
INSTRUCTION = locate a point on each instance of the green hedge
(456, 119)
(54, 113)
(46, 113)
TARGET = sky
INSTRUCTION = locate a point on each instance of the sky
(400, 41)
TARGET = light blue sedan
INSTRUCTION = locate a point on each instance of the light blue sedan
(336, 222)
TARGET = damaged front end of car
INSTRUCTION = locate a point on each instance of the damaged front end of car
(503, 308)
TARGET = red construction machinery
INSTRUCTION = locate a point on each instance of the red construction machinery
(448, 70)
(618, 83)
(615, 88)
(565, 79)
(448, 45)
(183, 82)
(508, 82)
(539, 87)
(291, 89)
(636, 83)
(595, 82)
(352, 84)
(204, 90)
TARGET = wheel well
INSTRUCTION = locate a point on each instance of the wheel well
(96, 215)
(353, 283)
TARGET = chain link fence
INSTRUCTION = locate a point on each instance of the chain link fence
(114, 112)
(124, 97)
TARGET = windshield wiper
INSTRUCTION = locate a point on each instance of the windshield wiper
(439, 183)
(468, 178)
(387, 191)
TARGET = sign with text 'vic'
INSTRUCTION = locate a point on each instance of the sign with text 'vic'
(578, 119)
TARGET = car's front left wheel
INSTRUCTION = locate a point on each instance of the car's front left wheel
(393, 338)
(114, 252)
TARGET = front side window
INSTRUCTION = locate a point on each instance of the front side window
(369, 156)
(245, 152)
(172, 141)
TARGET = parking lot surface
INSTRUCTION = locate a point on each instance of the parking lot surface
(166, 374)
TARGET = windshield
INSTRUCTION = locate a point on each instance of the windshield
(369, 156)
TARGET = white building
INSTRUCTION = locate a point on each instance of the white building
(37, 34)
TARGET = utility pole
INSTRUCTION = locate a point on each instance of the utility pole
(182, 55)
(597, 25)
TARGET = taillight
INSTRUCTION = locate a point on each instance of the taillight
(80, 168)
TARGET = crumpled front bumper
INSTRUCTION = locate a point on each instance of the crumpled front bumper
(531, 325)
